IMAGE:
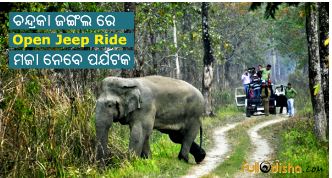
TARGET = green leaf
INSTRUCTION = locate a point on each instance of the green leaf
(326, 42)
(316, 89)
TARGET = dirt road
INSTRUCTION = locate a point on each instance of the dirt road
(217, 154)
(262, 150)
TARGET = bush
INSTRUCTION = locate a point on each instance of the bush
(299, 146)
(223, 98)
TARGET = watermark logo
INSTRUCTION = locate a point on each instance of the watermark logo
(275, 167)
(265, 167)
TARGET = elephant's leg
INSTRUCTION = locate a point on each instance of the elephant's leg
(146, 148)
(197, 152)
(141, 129)
(136, 139)
(188, 139)
(176, 136)
(139, 136)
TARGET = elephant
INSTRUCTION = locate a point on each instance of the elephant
(169, 105)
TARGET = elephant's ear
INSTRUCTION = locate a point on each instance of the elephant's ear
(132, 100)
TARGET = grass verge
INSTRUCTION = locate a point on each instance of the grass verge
(295, 144)
(47, 133)
(163, 163)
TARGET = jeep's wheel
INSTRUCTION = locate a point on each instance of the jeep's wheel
(273, 111)
(248, 113)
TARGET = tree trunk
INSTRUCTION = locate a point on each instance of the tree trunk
(323, 13)
(177, 64)
(315, 77)
(207, 61)
(274, 69)
(218, 76)
(130, 7)
(153, 52)
(227, 73)
(186, 63)
(279, 68)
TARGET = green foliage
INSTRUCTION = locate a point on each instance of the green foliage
(316, 89)
(232, 37)
(327, 41)
(223, 98)
(228, 111)
(299, 146)
(164, 158)
(33, 87)
(290, 24)
(302, 100)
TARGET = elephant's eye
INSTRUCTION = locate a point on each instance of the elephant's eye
(109, 105)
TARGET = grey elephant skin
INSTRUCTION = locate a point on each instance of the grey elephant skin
(171, 106)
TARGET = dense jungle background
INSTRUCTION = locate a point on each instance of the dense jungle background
(47, 116)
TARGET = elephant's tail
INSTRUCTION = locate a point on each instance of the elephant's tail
(201, 136)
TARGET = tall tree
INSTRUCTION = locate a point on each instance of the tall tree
(315, 32)
(208, 60)
(315, 75)
(176, 55)
(323, 20)
(131, 7)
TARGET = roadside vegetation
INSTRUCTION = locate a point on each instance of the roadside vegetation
(55, 137)
(296, 143)
(294, 140)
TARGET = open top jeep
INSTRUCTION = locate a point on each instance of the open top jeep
(252, 100)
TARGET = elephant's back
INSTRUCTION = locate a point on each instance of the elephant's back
(167, 85)
(174, 95)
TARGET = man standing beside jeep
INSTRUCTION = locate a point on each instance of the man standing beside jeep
(290, 95)
(245, 81)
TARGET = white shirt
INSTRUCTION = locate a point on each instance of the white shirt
(245, 79)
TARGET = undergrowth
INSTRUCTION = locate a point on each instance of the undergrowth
(298, 145)
(44, 132)
(48, 131)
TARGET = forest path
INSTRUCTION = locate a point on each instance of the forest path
(217, 154)
(262, 151)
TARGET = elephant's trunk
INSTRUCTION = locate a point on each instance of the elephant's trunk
(102, 151)
(103, 124)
